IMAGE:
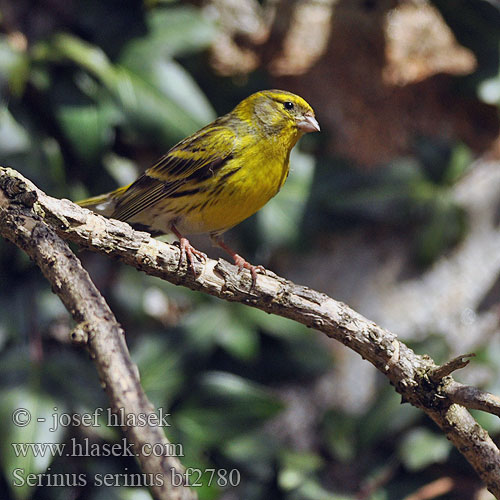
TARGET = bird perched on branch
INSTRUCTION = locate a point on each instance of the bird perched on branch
(217, 177)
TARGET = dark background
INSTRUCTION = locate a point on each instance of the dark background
(392, 208)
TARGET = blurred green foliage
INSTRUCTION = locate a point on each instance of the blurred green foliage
(104, 87)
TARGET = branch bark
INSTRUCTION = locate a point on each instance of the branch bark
(472, 397)
(96, 328)
(25, 210)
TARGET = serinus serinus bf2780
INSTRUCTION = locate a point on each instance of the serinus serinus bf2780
(217, 177)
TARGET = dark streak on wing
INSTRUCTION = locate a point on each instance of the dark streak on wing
(149, 190)
(173, 166)
(209, 170)
(228, 174)
(217, 190)
(178, 173)
(144, 192)
(187, 192)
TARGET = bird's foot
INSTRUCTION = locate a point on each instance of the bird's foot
(239, 260)
(243, 264)
(188, 252)
(193, 256)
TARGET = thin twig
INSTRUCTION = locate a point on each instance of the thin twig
(472, 397)
(438, 373)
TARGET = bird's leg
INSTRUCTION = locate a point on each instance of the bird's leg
(187, 250)
(239, 260)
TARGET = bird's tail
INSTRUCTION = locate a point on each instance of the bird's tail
(103, 204)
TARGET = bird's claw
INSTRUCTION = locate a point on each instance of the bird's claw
(243, 264)
(190, 253)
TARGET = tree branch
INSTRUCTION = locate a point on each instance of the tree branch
(472, 397)
(407, 371)
(437, 374)
(96, 328)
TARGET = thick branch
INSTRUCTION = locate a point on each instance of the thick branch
(405, 370)
(97, 328)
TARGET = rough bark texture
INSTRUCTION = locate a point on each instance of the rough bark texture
(96, 328)
(27, 216)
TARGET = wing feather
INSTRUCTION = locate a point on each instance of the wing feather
(190, 162)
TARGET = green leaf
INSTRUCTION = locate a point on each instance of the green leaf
(421, 448)
(160, 367)
(176, 84)
(383, 194)
(460, 162)
(221, 388)
(274, 325)
(341, 435)
(296, 467)
(130, 493)
(149, 114)
(172, 32)
(311, 489)
(444, 227)
(217, 324)
(387, 407)
(225, 406)
(13, 137)
(181, 30)
(14, 67)
(486, 420)
(254, 452)
(88, 129)
(37, 408)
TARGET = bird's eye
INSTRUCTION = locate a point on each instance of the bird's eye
(288, 105)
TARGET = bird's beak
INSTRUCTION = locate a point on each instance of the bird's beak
(308, 124)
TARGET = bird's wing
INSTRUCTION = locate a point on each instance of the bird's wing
(191, 161)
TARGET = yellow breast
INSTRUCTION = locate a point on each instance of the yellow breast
(241, 189)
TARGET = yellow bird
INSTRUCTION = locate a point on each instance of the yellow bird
(217, 177)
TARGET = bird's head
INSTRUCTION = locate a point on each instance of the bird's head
(277, 112)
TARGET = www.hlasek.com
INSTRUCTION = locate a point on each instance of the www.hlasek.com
(86, 448)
